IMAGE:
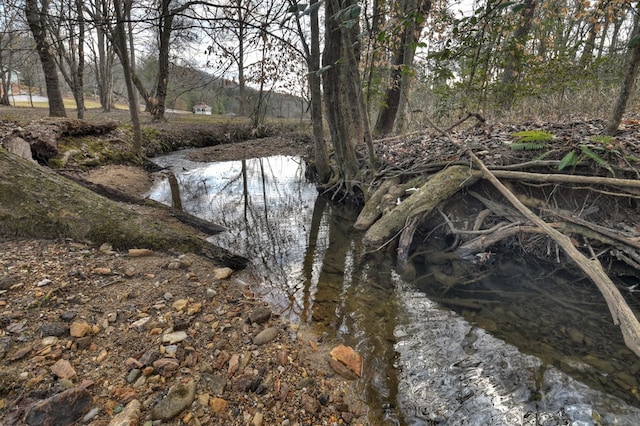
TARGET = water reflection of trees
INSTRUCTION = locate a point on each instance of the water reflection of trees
(304, 249)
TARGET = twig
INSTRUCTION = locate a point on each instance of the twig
(480, 118)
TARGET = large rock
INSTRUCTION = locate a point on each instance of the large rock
(179, 397)
(61, 409)
(266, 335)
(129, 416)
(347, 357)
(19, 147)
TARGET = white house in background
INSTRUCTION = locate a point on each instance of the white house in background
(202, 108)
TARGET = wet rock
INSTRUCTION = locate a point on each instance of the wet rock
(62, 409)
(62, 369)
(601, 364)
(129, 416)
(259, 316)
(177, 399)
(222, 273)
(341, 369)
(576, 335)
(57, 329)
(266, 335)
(348, 357)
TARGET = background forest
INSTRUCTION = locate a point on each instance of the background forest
(518, 59)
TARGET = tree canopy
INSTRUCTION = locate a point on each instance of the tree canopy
(376, 67)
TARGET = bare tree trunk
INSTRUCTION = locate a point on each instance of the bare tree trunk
(344, 113)
(120, 38)
(629, 79)
(414, 11)
(164, 29)
(515, 52)
(103, 57)
(37, 19)
(320, 146)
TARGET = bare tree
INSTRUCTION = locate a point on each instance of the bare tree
(413, 14)
(102, 53)
(341, 83)
(67, 32)
(8, 17)
(119, 36)
(37, 12)
(311, 50)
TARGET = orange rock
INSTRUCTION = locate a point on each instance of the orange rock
(63, 369)
(349, 358)
(79, 329)
(218, 405)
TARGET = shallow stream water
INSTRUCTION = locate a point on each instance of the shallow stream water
(521, 344)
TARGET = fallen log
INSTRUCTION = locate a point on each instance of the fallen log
(438, 188)
(43, 135)
(38, 203)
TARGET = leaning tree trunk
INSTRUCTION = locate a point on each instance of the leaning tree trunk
(37, 203)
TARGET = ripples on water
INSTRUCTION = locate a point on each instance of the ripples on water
(424, 364)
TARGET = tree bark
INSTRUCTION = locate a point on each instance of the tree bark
(37, 19)
(340, 80)
(37, 203)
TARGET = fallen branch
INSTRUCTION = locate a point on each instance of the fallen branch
(560, 178)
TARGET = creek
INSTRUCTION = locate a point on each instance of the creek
(512, 342)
